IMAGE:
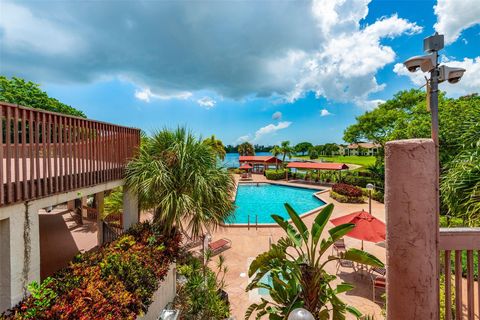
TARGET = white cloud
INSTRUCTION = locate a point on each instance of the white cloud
(324, 112)
(345, 69)
(271, 128)
(24, 31)
(454, 16)
(470, 82)
(371, 104)
(244, 138)
(277, 115)
(147, 95)
(207, 102)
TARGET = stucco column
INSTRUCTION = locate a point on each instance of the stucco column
(71, 204)
(20, 252)
(99, 205)
(130, 208)
(412, 229)
(84, 207)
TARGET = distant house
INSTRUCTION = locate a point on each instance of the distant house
(362, 149)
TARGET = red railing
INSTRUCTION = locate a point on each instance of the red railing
(457, 246)
(45, 153)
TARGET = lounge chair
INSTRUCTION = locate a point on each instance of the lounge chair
(190, 243)
(345, 264)
(219, 245)
(378, 283)
(377, 271)
(339, 246)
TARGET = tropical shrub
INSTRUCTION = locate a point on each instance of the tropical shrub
(347, 190)
(200, 298)
(377, 195)
(460, 187)
(296, 266)
(345, 199)
(275, 174)
(115, 282)
(298, 175)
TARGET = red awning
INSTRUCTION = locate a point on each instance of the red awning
(317, 165)
(245, 166)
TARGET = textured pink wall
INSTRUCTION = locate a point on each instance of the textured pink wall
(410, 202)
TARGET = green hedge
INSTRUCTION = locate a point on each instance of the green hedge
(275, 175)
(115, 282)
(345, 199)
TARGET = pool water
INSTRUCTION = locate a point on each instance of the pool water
(263, 200)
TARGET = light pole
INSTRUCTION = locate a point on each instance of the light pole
(438, 74)
(300, 314)
(370, 188)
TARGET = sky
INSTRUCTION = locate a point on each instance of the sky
(257, 71)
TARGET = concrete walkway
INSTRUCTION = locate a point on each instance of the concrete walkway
(247, 244)
(62, 237)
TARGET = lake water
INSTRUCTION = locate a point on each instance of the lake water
(231, 159)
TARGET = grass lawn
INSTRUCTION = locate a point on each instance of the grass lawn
(364, 161)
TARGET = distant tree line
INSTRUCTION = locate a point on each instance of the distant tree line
(405, 116)
(29, 94)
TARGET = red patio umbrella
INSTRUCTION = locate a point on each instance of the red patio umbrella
(367, 227)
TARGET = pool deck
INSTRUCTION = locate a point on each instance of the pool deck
(248, 243)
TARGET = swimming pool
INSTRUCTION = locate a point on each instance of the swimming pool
(262, 200)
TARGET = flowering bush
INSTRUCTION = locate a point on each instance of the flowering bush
(347, 190)
(115, 282)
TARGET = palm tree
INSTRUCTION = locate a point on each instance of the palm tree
(286, 149)
(217, 146)
(177, 176)
(276, 151)
(296, 265)
(246, 149)
(113, 203)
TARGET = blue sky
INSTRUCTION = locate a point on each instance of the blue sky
(261, 72)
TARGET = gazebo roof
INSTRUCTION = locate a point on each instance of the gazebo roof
(266, 159)
(317, 165)
(245, 166)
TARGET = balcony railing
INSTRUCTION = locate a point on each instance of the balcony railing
(45, 153)
(457, 245)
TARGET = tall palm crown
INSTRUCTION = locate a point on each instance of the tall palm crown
(177, 176)
(246, 149)
(217, 146)
(276, 151)
(286, 149)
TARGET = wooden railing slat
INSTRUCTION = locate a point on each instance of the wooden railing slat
(16, 155)
(2, 141)
(37, 155)
(471, 306)
(448, 286)
(24, 155)
(458, 284)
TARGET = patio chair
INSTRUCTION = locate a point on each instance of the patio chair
(377, 271)
(345, 264)
(219, 245)
(339, 246)
(378, 283)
